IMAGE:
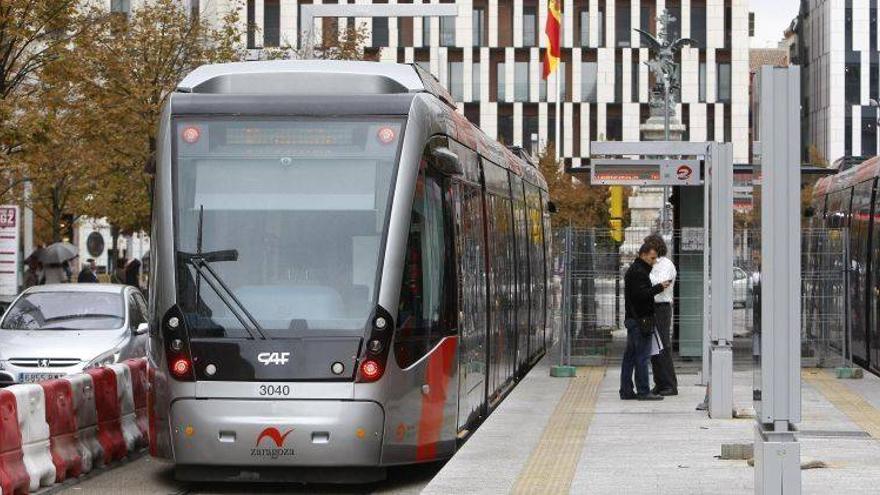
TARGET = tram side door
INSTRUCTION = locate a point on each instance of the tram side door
(470, 243)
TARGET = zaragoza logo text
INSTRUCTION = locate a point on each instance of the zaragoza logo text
(279, 450)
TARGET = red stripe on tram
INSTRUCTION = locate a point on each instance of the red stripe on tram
(431, 421)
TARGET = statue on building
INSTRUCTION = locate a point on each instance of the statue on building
(663, 66)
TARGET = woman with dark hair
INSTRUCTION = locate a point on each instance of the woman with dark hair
(665, 381)
(133, 273)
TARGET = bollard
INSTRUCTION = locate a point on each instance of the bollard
(139, 390)
(14, 477)
(86, 415)
(125, 397)
(61, 417)
(31, 404)
(110, 433)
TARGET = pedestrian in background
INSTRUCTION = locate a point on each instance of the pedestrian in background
(54, 273)
(87, 275)
(34, 272)
(118, 275)
(665, 381)
(133, 273)
(638, 297)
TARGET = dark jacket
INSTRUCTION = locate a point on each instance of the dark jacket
(86, 277)
(638, 291)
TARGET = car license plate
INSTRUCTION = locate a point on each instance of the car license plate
(37, 377)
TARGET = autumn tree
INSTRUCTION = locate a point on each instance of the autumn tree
(578, 204)
(347, 44)
(31, 34)
(58, 157)
(128, 65)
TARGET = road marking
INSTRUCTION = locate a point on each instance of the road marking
(859, 411)
(552, 464)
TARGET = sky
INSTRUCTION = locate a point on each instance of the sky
(771, 19)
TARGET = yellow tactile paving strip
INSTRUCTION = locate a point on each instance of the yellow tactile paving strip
(859, 411)
(552, 464)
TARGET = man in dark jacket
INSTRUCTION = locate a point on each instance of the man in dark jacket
(639, 298)
(87, 274)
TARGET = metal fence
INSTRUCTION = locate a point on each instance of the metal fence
(590, 266)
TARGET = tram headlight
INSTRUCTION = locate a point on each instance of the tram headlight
(375, 346)
(380, 323)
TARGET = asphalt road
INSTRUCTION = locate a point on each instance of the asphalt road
(145, 475)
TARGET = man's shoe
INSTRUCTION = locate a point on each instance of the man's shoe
(666, 392)
(628, 396)
(649, 396)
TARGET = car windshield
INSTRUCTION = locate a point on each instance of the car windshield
(66, 311)
(288, 215)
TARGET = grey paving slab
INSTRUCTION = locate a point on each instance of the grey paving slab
(490, 461)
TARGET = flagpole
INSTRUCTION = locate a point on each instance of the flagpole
(559, 74)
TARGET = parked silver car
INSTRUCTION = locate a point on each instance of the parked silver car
(51, 331)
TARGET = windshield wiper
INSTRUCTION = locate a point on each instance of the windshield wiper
(79, 317)
(200, 262)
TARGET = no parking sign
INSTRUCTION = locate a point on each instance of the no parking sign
(9, 223)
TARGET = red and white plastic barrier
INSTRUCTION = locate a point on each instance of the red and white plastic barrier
(34, 434)
(60, 429)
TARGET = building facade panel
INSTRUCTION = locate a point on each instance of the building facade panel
(490, 58)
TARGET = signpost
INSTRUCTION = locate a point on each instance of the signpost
(9, 227)
(623, 172)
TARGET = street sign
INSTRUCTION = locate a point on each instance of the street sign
(9, 224)
(661, 172)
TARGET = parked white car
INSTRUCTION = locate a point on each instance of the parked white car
(51, 331)
(742, 288)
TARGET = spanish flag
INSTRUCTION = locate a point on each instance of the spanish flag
(551, 30)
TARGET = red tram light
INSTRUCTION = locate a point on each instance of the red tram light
(191, 134)
(371, 370)
(182, 368)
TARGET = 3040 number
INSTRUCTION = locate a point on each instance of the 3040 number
(274, 390)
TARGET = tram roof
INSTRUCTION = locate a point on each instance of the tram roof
(866, 170)
(311, 77)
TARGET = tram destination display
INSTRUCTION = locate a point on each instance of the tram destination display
(621, 172)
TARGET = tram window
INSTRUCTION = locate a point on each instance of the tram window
(427, 288)
(303, 202)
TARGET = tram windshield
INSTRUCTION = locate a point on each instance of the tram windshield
(300, 204)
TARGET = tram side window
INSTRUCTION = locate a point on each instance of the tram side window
(427, 289)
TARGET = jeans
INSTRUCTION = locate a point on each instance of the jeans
(636, 356)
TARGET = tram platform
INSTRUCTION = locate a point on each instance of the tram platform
(574, 435)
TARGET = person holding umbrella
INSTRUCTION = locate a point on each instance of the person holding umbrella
(53, 258)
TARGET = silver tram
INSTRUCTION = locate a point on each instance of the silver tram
(348, 274)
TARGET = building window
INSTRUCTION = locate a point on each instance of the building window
(426, 31)
(475, 82)
(271, 22)
(600, 23)
(702, 81)
(623, 25)
(380, 32)
(698, 24)
(505, 127)
(585, 27)
(563, 86)
(634, 79)
(194, 9)
(529, 127)
(456, 80)
(501, 76)
(723, 83)
(447, 31)
(521, 81)
(478, 21)
(530, 26)
(589, 73)
(646, 19)
(251, 25)
(122, 6)
(618, 82)
(751, 24)
(869, 132)
(853, 82)
(675, 27)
